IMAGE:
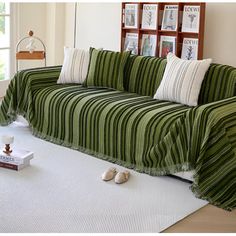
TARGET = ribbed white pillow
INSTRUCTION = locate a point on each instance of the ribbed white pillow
(75, 66)
(182, 80)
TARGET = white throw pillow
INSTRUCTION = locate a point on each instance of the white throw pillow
(75, 66)
(182, 80)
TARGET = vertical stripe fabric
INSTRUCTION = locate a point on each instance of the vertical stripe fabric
(18, 98)
(75, 66)
(182, 80)
(219, 83)
(143, 74)
(106, 69)
(136, 131)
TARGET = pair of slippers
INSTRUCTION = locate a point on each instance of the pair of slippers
(120, 177)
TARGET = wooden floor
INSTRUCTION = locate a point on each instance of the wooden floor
(209, 219)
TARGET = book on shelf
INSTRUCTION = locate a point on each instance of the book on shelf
(131, 43)
(167, 44)
(17, 160)
(131, 16)
(191, 17)
(149, 16)
(190, 49)
(170, 18)
(149, 43)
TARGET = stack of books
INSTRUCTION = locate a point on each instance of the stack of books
(17, 160)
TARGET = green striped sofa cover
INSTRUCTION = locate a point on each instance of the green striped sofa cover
(132, 129)
(143, 76)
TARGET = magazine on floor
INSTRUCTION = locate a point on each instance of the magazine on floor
(190, 49)
(131, 43)
(191, 17)
(131, 15)
(17, 160)
(170, 18)
(167, 44)
(149, 16)
(149, 43)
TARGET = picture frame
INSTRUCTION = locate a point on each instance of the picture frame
(149, 16)
(167, 44)
(131, 16)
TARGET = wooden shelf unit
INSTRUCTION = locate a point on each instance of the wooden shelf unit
(158, 32)
(26, 55)
(30, 55)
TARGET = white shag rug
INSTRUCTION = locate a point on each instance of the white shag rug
(62, 191)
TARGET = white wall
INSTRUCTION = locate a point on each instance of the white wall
(31, 16)
(47, 20)
(55, 31)
(69, 24)
(220, 33)
(26, 16)
(98, 25)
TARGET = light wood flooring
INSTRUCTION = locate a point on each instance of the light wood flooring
(209, 219)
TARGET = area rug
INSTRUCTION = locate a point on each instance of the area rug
(62, 191)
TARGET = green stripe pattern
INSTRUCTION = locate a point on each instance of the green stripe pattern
(219, 83)
(139, 132)
(106, 69)
(143, 74)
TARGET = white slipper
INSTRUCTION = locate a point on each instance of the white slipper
(109, 174)
(122, 177)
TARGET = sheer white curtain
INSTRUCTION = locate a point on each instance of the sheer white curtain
(8, 35)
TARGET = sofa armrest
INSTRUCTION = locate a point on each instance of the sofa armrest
(19, 94)
(46, 75)
(204, 139)
(217, 115)
(219, 83)
(213, 144)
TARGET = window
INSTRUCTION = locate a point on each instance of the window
(4, 40)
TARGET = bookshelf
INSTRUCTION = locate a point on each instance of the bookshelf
(158, 32)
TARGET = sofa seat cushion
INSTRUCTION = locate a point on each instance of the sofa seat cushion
(114, 125)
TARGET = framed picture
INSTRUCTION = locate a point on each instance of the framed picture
(149, 16)
(167, 44)
(191, 17)
(131, 43)
(149, 43)
(170, 18)
(131, 16)
(190, 49)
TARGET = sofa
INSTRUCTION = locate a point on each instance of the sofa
(134, 130)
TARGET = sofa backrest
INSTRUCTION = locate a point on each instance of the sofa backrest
(219, 83)
(143, 76)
